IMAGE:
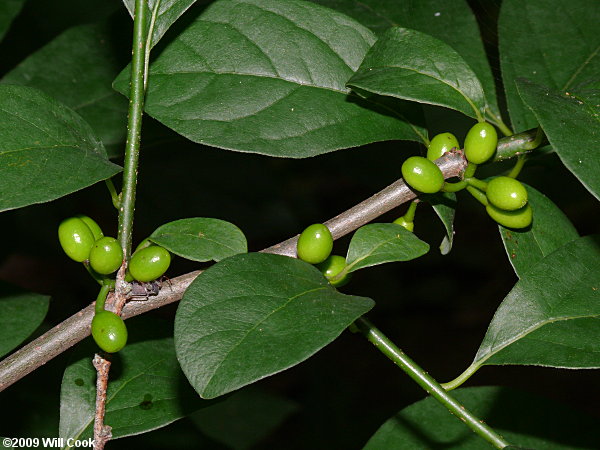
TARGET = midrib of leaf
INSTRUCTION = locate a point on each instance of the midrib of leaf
(376, 13)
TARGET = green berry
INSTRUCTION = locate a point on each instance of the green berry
(315, 244)
(106, 255)
(75, 238)
(109, 331)
(92, 225)
(331, 267)
(520, 218)
(506, 193)
(149, 263)
(480, 143)
(422, 175)
(410, 226)
(440, 144)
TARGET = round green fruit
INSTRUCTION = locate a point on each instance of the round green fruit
(331, 267)
(106, 255)
(520, 218)
(109, 331)
(92, 225)
(422, 175)
(410, 226)
(481, 142)
(75, 238)
(315, 244)
(440, 144)
(149, 263)
(506, 193)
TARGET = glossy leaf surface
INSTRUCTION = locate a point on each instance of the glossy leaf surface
(444, 205)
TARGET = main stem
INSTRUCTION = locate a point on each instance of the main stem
(431, 386)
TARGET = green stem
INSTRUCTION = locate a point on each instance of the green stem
(479, 196)
(493, 118)
(134, 129)
(516, 170)
(454, 187)
(461, 378)
(475, 182)
(409, 216)
(470, 170)
(517, 144)
(116, 201)
(96, 276)
(428, 383)
(101, 299)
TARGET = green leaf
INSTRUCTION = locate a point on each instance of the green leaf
(166, 15)
(411, 65)
(201, 239)
(244, 418)
(21, 313)
(47, 150)
(552, 315)
(523, 419)
(269, 77)
(550, 42)
(444, 205)
(147, 389)
(380, 243)
(253, 315)
(77, 68)
(9, 9)
(572, 125)
(433, 17)
(550, 230)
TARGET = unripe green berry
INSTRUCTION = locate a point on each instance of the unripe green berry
(440, 144)
(92, 225)
(481, 142)
(410, 226)
(315, 244)
(331, 267)
(422, 175)
(109, 331)
(520, 218)
(75, 238)
(506, 193)
(149, 263)
(106, 255)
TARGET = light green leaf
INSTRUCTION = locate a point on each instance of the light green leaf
(269, 77)
(47, 150)
(550, 42)
(256, 314)
(379, 243)
(21, 313)
(411, 65)
(444, 205)
(9, 9)
(550, 230)
(201, 239)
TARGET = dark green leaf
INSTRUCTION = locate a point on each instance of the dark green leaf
(256, 314)
(572, 125)
(244, 418)
(444, 205)
(47, 150)
(147, 389)
(438, 18)
(21, 313)
(269, 77)
(201, 239)
(523, 419)
(550, 230)
(379, 243)
(77, 68)
(411, 65)
(552, 315)
(166, 15)
(551, 42)
(8, 11)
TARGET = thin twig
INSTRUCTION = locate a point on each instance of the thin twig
(102, 433)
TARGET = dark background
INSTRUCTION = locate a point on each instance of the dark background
(436, 308)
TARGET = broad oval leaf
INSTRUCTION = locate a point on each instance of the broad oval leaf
(411, 65)
(379, 243)
(550, 230)
(551, 317)
(444, 205)
(523, 419)
(268, 77)
(21, 313)
(47, 150)
(550, 42)
(256, 314)
(9, 9)
(201, 239)
(147, 389)
(572, 125)
(77, 68)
